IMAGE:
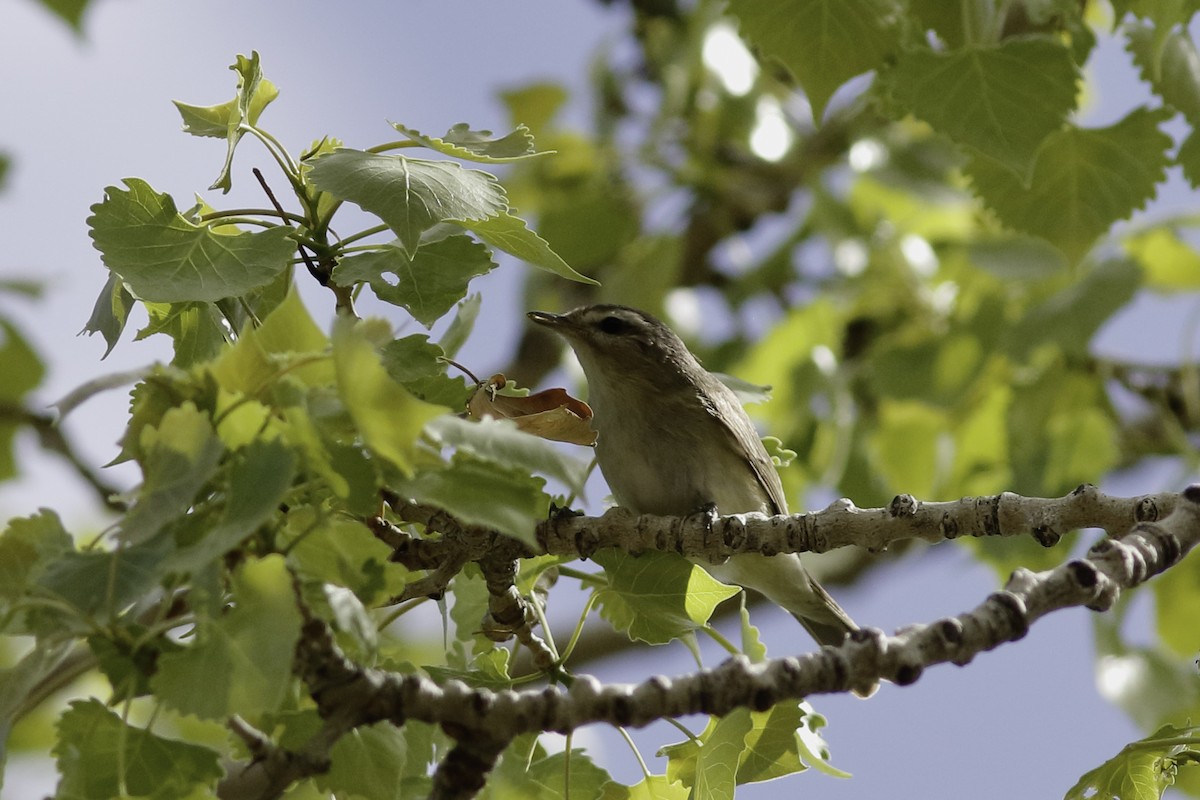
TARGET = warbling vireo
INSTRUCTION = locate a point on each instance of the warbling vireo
(673, 438)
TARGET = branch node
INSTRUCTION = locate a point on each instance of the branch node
(903, 505)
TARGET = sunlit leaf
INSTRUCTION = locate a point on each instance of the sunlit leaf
(388, 418)
(657, 597)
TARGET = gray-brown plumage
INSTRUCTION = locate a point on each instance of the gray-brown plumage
(673, 438)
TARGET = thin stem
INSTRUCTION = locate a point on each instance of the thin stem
(720, 639)
(636, 753)
(242, 212)
(397, 145)
(354, 237)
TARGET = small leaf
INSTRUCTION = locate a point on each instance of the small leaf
(1168, 61)
(1003, 99)
(100, 756)
(178, 458)
(510, 234)
(164, 258)
(657, 597)
(110, 313)
(462, 142)
(258, 481)
(232, 119)
(367, 762)
(418, 364)
(27, 546)
(219, 121)
(823, 42)
(241, 662)
(410, 195)
(22, 371)
(1188, 158)
(1083, 182)
(429, 283)
(287, 337)
(388, 418)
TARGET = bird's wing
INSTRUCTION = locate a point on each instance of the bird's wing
(723, 404)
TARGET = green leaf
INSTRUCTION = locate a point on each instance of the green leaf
(1083, 182)
(410, 195)
(462, 142)
(22, 371)
(1060, 405)
(27, 546)
(110, 313)
(100, 756)
(510, 234)
(427, 284)
(418, 365)
(521, 775)
(1017, 257)
(197, 330)
(505, 499)
(1168, 262)
(1175, 592)
(98, 585)
(716, 763)
(500, 442)
(1168, 61)
(341, 551)
(163, 257)
(1141, 771)
(259, 479)
(1071, 317)
(1003, 100)
(770, 748)
(823, 42)
(1188, 158)
(367, 762)
(657, 597)
(18, 681)
(241, 662)
(70, 11)
(388, 418)
(240, 114)
(652, 787)
(221, 121)
(179, 456)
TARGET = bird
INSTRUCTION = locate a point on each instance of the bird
(673, 440)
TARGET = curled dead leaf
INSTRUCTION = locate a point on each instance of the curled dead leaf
(550, 414)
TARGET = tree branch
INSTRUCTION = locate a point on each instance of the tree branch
(483, 721)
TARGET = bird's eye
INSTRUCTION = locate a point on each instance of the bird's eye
(613, 325)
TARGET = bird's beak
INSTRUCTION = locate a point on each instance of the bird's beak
(552, 321)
